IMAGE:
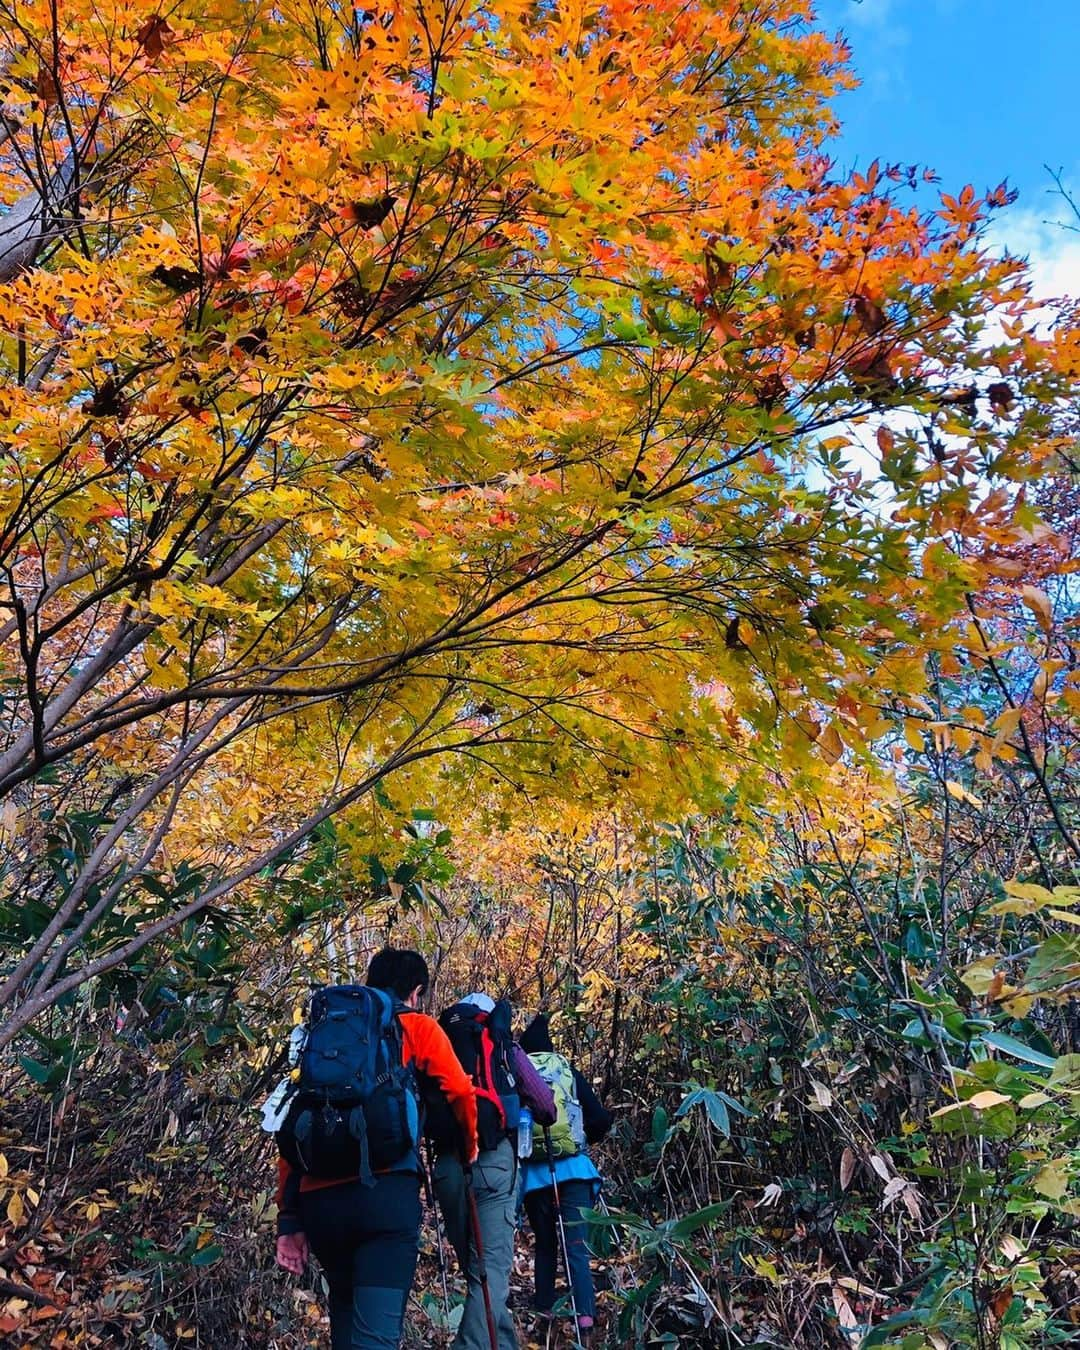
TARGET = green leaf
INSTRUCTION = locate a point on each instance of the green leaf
(883, 1332)
(40, 1073)
(718, 1115)
(690, 1223)
(206, 1256)
(716, 1106)
(1066, 1071)
(1056, 961)
(1009, 1045)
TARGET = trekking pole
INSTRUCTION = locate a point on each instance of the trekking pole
(438, 1237)
(561, 1226)
(481, 1265)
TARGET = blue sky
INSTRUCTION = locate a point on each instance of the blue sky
(979, 90)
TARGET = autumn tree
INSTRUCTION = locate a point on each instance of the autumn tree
(406, 397)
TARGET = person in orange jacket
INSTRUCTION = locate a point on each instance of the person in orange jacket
(366, 1237)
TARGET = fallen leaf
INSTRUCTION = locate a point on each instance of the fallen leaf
(845, 1315)
(847, 1167)
(880, 1166)
(822, 1095)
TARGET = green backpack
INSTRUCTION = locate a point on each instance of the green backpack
(568, 1132)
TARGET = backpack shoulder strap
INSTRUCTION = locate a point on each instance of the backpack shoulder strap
(500, 1020)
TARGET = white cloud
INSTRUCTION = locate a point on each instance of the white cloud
(1049, 239)
(874, 14)
(876, 36)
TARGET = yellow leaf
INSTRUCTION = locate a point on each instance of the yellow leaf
(913, 733)
(1032, 1100)
(1052, 1180)
(3, 1167)
(980, 975)
(983, 1101)
(763, 1268)
(93, 1210)
(15, 1210)
(1006, 722)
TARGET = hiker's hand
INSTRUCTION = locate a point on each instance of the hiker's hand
(473, 1155)
(292, 1252)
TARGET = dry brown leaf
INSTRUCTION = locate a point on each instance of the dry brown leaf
(847, 1167)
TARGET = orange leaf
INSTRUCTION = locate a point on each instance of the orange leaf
(830, 744)
(1039, 604)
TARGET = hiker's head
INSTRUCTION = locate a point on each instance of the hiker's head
(536, 1038)
(400, 972)
(479, 1000)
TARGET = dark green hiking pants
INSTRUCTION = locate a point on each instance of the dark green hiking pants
(494, 1184)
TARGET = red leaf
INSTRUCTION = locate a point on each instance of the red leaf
(869, 314)
(46, 86)
(1000, 395)
(153, 36)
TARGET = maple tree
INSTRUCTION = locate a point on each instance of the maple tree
(400, 396)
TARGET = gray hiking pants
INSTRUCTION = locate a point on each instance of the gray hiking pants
(365, 1238)
(494, 1183)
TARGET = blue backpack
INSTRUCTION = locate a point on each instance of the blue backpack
(356, 1108)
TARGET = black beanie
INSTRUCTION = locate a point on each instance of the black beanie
(536, 1038)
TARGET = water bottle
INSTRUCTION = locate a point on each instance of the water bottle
(524, 1139)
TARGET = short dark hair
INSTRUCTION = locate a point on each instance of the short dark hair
(398, 972)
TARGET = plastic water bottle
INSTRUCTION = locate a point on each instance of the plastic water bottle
(524, 1139)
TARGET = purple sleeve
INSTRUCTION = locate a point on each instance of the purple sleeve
(535, 1093)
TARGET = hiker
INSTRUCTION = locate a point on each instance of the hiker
(505, 1080)
(364, 1228)
(581, 1120)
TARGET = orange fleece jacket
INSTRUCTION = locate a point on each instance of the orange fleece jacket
(427, 1046)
